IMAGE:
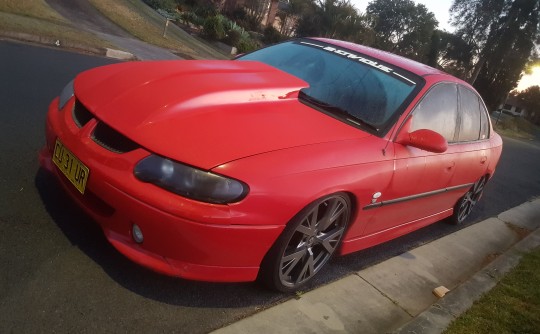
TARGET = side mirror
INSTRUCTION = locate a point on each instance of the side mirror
(426, 140)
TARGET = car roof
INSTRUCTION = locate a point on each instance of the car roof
(405, 63)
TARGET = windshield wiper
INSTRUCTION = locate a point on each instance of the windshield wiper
(335, 110)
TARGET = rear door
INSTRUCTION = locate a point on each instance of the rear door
(473, 137)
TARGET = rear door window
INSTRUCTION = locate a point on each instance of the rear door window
(438, 111)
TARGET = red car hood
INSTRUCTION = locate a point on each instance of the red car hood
(206, 113)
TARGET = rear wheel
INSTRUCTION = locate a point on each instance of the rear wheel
(306, 244)
(466, 203)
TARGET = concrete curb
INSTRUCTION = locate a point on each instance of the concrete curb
(66, 44)
(118, 54)
(396, 295)
(438, 317)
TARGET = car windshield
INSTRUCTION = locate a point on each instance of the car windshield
(350, 86)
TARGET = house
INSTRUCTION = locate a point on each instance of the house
(512, 106)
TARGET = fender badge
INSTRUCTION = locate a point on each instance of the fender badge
(375, 197)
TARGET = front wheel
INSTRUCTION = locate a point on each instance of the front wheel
(306, 244)
(464, 206)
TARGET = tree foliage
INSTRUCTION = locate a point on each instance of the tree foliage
(257, 9)
(454, 54)
(473, 18)
(502, 35)
(334, 19)
(290, 13)
(402, 27)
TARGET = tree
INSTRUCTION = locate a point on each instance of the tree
(473, 19)
(402, 27)
(434, 47)
(257, 9)
(334, 19)
(292, 10)
(503, 34)
(454, 54)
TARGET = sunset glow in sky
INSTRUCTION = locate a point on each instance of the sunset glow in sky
(532, 79)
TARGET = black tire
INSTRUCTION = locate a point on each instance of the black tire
(465, 204)
(306, 244)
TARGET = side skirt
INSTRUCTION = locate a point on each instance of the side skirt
(366, 241)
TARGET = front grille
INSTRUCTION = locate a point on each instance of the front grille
(81, 115)
(112, 140)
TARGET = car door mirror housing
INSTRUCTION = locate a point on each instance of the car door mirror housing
(426, 140)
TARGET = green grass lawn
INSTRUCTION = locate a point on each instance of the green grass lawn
(513, 306)
(38, 18)
(144, 23)
(515, 127)
(33, 8)
(126, 14)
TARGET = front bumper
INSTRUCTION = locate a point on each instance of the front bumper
(182, 237)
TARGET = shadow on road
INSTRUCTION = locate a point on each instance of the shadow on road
(85, 234)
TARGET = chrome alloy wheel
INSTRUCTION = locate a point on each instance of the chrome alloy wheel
(316, 236)
(469, 200)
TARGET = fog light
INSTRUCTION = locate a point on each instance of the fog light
(136, 233)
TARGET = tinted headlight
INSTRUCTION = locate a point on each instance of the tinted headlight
(189, 182)
(65, 95)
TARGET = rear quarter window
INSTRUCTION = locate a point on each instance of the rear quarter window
(484, 121)
(470, 122)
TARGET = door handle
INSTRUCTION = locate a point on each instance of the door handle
(450, 164)
(483, 159)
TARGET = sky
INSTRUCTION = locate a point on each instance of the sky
(532, 79)
(441, 9)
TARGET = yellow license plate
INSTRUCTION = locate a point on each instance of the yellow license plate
(75, 171)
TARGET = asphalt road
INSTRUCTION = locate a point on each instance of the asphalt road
(59, 274)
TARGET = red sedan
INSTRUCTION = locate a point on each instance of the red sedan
(265, 166)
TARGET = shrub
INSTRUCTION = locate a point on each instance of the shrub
(213, 28)
(206, 11)
(271, 35)
(233, 37)
(168, 5)
(245, 20)
(246, 45)
(192, 18)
